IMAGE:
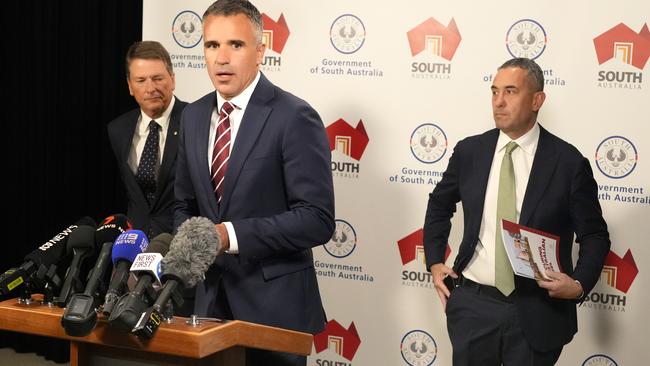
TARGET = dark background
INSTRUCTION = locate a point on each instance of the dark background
(63, 81)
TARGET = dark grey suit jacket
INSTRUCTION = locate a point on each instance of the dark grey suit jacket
(278, 195)
(159, 217)
(561, 198)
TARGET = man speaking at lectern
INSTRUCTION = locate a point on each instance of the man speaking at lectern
(520, 172)
(256, 161)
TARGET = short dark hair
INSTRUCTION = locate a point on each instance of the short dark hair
(234, 7)
(535, 74)
(148, 50)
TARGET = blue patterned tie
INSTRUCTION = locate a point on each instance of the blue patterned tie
(146, 174)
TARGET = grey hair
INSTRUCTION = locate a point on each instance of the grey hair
(234, 7)
(535, 74)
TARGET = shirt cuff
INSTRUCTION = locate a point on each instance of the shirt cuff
(232, 238)
(582, 294)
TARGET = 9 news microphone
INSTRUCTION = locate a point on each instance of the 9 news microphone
(146, 267)
(127, 246)
(80, 316)
(50, 253)
(191, 253)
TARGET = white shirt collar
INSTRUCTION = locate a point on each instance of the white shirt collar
(527, 142)
(163, 120)
(241, 100)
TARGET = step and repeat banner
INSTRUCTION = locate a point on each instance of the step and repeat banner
(397, 86)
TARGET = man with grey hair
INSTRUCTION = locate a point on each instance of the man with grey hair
(256, 161)
(520, 172)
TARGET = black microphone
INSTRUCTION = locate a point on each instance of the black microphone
(82, 245)
(146, 267)
(50, 253)
(80, 316)
(127, 246)
(191, 253)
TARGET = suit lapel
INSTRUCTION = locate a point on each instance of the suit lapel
(252, 123)
(544, 163)
(202, 140)
(170, 149)
(482, 166)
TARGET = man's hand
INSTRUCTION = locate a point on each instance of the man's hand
(223, 235)
(561, 286)
(438, 272)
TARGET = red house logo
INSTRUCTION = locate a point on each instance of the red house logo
(624, 44)
(275, 34)
(411, 247)
(344, 342)
(620, 272)
(434, 37)
(346, 139)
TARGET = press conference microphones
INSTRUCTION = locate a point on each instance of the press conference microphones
(146, 267)
(82, 245)
(127, 246)
(52, 252)
(80, 315)
(192, 251)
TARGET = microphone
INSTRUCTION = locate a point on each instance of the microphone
(50, 253)
(146, 267)
(80, 316)
(127, 246)
(191, 253)
(82, 246)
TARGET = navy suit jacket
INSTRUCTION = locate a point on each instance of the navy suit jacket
(158, 218)
(561, 198)
(279, 197)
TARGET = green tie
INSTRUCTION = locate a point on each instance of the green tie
(506, 209)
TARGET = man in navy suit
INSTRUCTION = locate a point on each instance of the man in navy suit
(255, 160)
(526, 322)
(151, 81)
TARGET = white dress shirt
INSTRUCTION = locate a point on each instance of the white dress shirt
(481, 267)
(240, 102)
(140, 137)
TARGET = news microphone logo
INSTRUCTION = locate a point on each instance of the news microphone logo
(625, 45)
(616, 157)
(434, 38)
(418, 348)
(526, 38)
(346, 139)
(187, 29)
(275, 34)
(345, 342)
(347, 33)
(620, 272)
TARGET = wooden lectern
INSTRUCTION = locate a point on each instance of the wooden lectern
(177, 343)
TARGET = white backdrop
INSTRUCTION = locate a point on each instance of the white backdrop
(398, 86)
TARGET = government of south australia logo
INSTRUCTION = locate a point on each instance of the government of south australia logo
(526, 38)
(345, 342)
(347, 33)
(187, 29)
(428, 143)
(343, 241)
(616, 157)
(631, 51)
(418, 348)
(599, 360)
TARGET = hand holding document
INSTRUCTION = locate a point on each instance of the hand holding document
(531, 252)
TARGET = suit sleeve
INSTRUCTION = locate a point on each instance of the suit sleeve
(589, 226)
(440, 210)
(308, 220)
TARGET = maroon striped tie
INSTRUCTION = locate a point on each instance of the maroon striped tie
(221, 151)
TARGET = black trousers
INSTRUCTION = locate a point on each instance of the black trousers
(256, 357)
(484, 330)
